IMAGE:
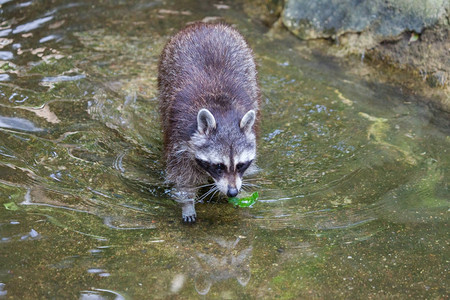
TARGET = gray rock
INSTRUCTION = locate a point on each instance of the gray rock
(384, 19)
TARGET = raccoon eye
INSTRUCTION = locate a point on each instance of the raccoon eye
(219, 167)
(241, 167)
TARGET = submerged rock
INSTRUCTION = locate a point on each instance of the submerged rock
(268, 11)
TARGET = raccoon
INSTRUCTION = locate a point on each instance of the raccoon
(209, 103)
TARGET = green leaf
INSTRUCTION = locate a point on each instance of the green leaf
(244, 202)
(11, 206)
(414, 37)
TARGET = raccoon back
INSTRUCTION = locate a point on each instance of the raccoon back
(204, 66)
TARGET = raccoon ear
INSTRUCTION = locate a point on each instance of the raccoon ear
(205, 121)
(247, 121)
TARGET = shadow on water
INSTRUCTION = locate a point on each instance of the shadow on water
(353, 181)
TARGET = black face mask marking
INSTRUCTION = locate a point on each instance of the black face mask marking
(241, 167)
(215, 170)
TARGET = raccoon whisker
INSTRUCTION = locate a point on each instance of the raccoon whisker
(254, 184)
(205, 185)
(211, 189)
(257, 180)
(251, 185)
(212, 196)
(214, 188)
(248, 188)
(252, 179)
(202, 197)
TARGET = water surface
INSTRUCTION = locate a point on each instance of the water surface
(353, 185)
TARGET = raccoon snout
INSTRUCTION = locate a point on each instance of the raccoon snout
(232, 191)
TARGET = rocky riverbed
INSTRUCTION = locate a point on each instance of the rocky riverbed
(410, 36)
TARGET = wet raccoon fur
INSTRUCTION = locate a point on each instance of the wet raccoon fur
(209, 102)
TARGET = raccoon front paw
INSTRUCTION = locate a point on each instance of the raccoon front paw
(189, 219)
(188, 212)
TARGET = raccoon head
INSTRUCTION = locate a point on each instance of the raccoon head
(225, 148)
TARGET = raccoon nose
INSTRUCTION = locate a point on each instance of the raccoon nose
(232, 192)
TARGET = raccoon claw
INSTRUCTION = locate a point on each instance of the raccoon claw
(189, 219)
(188, 212)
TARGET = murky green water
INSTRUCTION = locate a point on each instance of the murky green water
(354, 183)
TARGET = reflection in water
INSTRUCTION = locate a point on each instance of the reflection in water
(353, 183)
(100, 294)
(213, 267)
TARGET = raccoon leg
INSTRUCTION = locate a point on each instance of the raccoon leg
(186, 197)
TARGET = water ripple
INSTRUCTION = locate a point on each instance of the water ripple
(18, 124)
(4, 77)
(118, 162)
(63, 78)
(6, 55)
(32, 25)
(48, 38)
(5, 32)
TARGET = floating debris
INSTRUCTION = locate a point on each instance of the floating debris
(244, 202)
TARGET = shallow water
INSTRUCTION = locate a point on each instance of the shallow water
(353, 185)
